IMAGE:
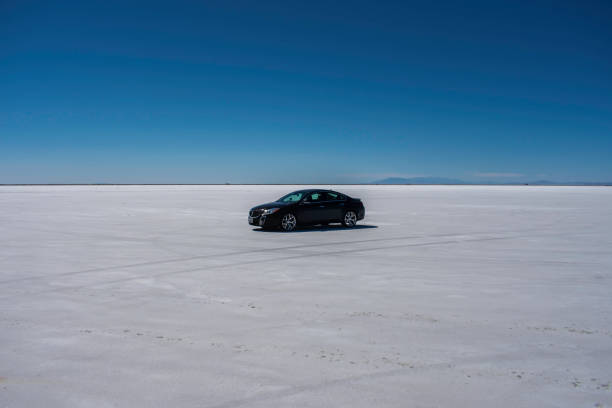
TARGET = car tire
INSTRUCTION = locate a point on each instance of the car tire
(288, 222)
(349, 219)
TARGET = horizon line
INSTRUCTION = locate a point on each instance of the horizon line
(576, 184)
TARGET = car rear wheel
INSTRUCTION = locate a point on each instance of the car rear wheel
(288, 222)
(350, 219)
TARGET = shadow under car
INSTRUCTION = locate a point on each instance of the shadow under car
(325, 228)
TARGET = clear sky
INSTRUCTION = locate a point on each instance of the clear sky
(304, 92)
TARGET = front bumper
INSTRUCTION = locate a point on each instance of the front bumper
(269, 220)
(259, 220)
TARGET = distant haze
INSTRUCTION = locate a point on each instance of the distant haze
(449, 181)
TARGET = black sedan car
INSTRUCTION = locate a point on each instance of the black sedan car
(308, 207)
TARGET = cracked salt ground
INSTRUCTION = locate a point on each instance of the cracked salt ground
(163, 295)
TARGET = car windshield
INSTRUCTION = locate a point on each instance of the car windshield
(291, 197)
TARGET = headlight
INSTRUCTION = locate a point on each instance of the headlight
(270, 211)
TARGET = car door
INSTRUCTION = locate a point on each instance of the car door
(334, 206)
(312, 208)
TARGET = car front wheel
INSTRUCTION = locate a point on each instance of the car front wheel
(288, 222)
(350, 219)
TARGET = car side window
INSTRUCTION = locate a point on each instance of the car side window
(315, 197)
(333, 196)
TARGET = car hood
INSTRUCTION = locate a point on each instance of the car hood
(270, 205)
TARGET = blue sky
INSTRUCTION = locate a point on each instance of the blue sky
(309, 92)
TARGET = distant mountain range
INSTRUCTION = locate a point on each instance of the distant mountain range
(451, 181)
(419, 180)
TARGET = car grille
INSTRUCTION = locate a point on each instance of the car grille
(256, 213)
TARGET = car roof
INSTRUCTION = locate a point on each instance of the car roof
(312, 190)
(308, 190)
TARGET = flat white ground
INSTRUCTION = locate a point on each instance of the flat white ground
(164, 296)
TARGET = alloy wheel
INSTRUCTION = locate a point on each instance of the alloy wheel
(350, 219)
(288, 222)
